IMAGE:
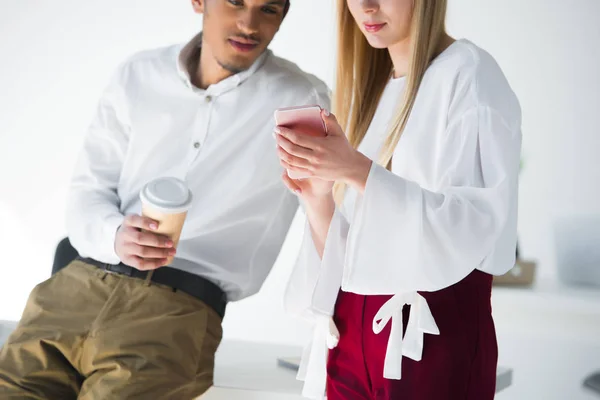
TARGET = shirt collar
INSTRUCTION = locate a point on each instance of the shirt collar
(192, 50)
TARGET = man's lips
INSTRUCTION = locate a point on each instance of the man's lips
(244, 45)
(372, 28)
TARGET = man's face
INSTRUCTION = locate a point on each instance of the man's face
(239, 31)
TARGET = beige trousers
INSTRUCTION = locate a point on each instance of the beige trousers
(91, 335)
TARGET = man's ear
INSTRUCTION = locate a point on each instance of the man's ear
(198, 6)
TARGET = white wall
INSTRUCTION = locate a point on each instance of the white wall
(56, 57)
(550, 51)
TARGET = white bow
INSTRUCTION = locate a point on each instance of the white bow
(420, 321)
(313, 369)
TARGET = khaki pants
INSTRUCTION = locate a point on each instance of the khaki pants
(87, 334)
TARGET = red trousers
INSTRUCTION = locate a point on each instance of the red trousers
(459, 363)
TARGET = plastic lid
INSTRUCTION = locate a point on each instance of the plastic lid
(169, 195)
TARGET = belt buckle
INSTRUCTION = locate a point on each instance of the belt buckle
(130, 271)
(108, 268)
(120, 269)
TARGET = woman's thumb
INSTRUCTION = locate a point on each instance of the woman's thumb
(331, 123)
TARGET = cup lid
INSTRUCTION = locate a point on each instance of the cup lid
(169, 195)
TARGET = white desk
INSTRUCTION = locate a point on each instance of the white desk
(249, 371)
(6, 327)
(550, 335)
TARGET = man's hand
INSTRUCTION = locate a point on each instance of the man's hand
(137, 246)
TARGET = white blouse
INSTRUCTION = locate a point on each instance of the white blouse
(448, 207)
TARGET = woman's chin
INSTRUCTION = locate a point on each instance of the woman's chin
(377, 43)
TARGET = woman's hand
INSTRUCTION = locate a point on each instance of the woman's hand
(330, 158)
(309, 188)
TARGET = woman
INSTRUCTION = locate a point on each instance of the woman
(424, 155)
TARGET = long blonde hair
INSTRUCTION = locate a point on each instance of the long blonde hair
(364, 71)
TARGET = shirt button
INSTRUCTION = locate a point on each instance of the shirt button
(197, 145)
(208, 99)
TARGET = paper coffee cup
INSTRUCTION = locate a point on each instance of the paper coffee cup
(167, 201)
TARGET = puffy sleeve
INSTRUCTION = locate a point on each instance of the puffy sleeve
(404, 237)
(314, 284)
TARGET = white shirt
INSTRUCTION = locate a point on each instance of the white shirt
(448, 207)
(152, 122)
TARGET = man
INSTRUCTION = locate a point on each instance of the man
(104, 328)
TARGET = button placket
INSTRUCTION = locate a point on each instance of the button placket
(199, 138)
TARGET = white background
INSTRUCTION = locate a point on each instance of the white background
(56, 56)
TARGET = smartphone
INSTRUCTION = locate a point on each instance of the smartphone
(306, 120)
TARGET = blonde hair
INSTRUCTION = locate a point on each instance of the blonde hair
(364, 71)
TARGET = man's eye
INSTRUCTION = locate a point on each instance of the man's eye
(269, 10)
(236, 2)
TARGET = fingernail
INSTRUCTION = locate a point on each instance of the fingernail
(326, 112)
(153, 226)
(172, 252)
(298, 191)
(169, 244)
(277, 130)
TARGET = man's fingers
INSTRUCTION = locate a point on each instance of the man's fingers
(146, 264)
(149, 265)
(150, 252)
(137, 221)
(148, 238)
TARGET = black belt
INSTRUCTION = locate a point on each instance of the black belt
(194, 285)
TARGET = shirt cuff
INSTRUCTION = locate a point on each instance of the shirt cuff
(111, 225)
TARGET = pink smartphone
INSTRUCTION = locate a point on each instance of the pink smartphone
(304, 119)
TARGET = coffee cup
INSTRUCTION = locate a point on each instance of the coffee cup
(167, 201)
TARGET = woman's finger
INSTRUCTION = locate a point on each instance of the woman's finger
(294, 149)
(289, 167)
(332, 125)
(291, 159)
(302, 171)
(289, 182)
(299, 139)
